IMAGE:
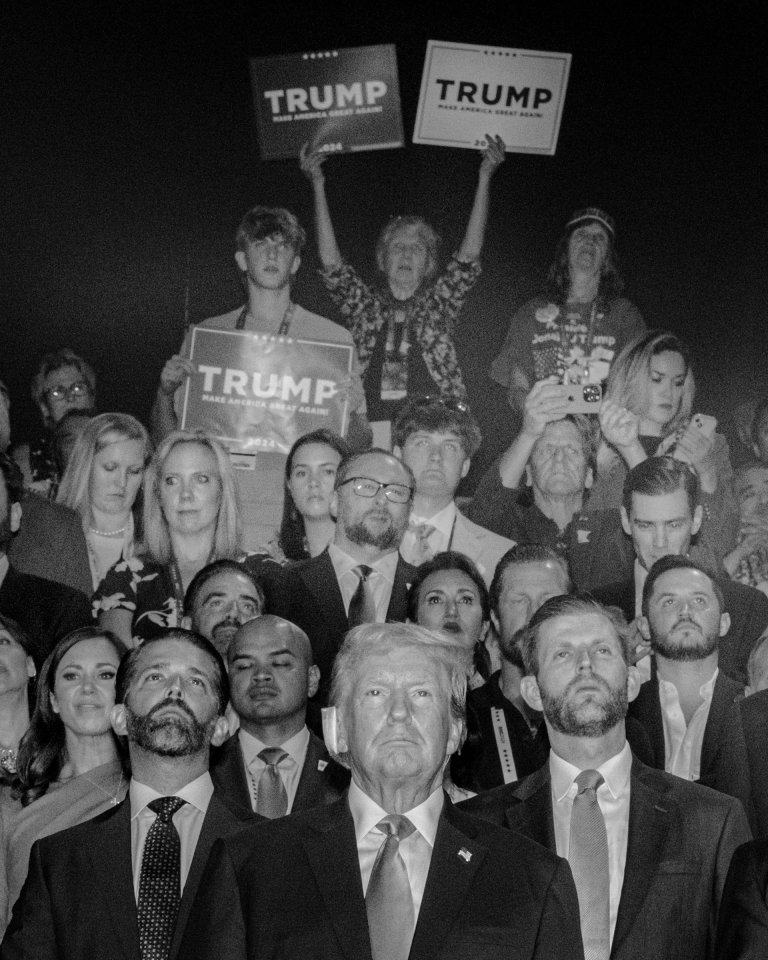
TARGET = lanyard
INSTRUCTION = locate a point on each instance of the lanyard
(285, 323)
(503, 745)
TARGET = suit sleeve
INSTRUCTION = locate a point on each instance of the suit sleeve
(734, 833)
(743, 929)
(216, 928)
(30, 934)
(559, 935)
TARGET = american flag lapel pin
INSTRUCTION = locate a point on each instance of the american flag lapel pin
(465, 854)
(321, 765)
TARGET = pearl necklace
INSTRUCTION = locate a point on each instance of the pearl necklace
(108, 533)
(8, 759)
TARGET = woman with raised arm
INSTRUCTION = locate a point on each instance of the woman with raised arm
(403, 328)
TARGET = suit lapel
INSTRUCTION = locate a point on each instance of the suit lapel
(320, 579)
(113, 875)
(329, 841)
(229, 774)
(649, 820)
(309, 791)
(398, 601)
(719, 708)
(455, 861)
(531, 815)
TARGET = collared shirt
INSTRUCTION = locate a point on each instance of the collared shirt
(613, 799)
(4, 567)
(381, 580)
(682, 742)
(415, 850)
(188, 821)
(439, 539)
(289, 769)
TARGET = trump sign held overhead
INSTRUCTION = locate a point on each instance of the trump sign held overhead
(468, 90)
(258, 392)
(337, 100)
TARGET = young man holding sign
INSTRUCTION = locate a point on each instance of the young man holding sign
(269, 244)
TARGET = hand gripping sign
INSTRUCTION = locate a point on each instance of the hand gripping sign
(258, 392)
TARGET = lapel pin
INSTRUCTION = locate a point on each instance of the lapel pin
(465, 854)
(321, 765)
(582, 536)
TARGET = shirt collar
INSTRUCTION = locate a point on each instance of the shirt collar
(197, 793)
(251, 746)
(705, 690)
(343, 563)
(366, 813)
(615, 772)
(4, 567)
(443, 520)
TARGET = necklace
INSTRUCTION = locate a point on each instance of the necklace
(112, 796)
(8, 759)
(108, 533)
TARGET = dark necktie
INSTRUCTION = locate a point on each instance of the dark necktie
(588, 857)
(160, 881)
(271, 798)
(362, 607)
(388, 900)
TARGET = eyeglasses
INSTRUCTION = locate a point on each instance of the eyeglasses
(365, 487)
(72, 392)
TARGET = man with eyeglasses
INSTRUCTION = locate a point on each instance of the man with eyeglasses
(269, 243)
(361, 577)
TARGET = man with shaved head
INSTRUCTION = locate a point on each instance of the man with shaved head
(274, 765)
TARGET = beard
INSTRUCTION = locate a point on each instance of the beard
(589, 718)
(170, 736)
(509, 648)
(388, 538)
(687, 651)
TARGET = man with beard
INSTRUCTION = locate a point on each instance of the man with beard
(649, 851)
(688, 706)
(361, 577)
(274, 765)
(122, 884)
(220, 599)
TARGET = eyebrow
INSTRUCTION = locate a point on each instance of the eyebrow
(696, 593)
(79, 666)
(215, 594)
(283, 652)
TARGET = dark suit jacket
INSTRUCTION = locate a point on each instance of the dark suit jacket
(292, 889)
(724, 763)
(748, 609)
(78, 901)
(322, 780)
(51, 544)
(47, 611)
(307, 593)
(753, 712)
(679, 845)
(742, 932)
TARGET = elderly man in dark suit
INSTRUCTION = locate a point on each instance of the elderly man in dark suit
(274, 764)
(121, 885)
(361, 577)
(392, 870)
(649, 851)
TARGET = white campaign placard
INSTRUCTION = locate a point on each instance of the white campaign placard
(468, 90)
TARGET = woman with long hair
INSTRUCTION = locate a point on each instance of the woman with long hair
(102, 483)
(18, 669)
(307, 526)
(69, 765)
(190, 519)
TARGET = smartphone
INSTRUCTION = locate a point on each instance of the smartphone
(702, 423)
(578, 397)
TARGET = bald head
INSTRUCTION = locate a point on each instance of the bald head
(272, 675)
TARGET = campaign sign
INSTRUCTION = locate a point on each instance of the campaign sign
(469, 90)
(258, 392)
(337, 100)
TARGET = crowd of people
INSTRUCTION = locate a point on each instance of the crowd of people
(325, 705)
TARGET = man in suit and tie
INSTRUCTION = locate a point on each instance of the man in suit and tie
(437, 439)
(121, 885)
(392, 870)
(649, 851)
(689, 707)
(361, 577)
(220, 598)
(274, 764)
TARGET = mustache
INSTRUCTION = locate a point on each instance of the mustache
(171, 702)
(226, 623)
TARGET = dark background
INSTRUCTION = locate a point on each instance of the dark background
(129, 153)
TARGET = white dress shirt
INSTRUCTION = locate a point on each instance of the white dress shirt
(416, 850)
(381, 579)
(289, 769)
(4, 565)
(188, 821)
(682, 742)
(439, 539)
(613, 800)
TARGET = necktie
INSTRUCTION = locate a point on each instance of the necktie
(271, 798)
(160, 881)
(422, 551)
(362, 608)
(388, 900)
(588, 857)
